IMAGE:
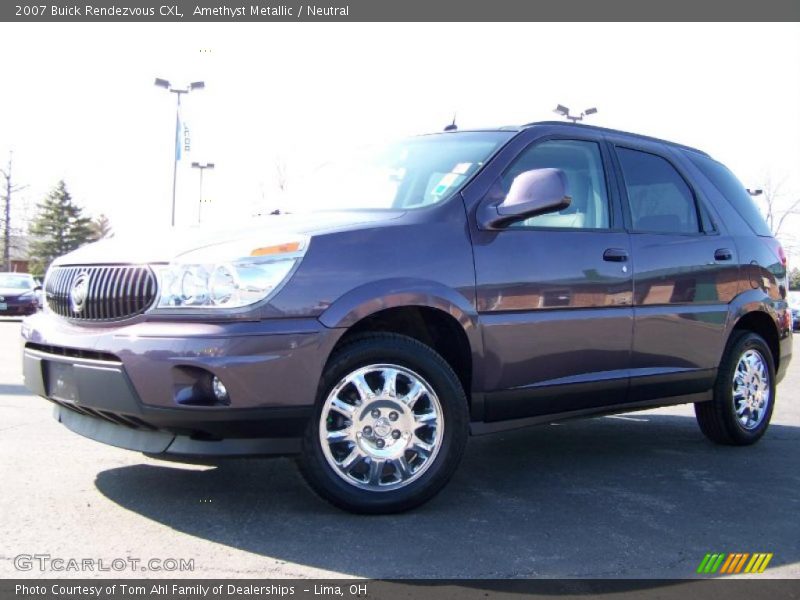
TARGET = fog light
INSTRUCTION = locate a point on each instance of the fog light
(220, 391)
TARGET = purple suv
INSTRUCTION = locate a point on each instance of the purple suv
(451, 284)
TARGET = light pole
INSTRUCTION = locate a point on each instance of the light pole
(202, 167)
(564, 112)
(195, 85)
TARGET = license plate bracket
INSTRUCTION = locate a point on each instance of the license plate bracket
(60, 381)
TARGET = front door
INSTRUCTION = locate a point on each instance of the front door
(554, 293)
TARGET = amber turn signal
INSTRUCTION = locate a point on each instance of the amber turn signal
(277, 249)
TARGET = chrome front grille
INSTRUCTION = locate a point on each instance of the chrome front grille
(109, 293)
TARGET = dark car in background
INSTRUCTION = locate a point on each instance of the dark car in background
(456, 283)
(19, 294)
(794, 305)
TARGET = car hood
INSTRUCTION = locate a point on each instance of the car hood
(12, 292)
(163, 246)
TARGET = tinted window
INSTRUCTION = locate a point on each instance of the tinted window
(586, 184)
(659, 198)
(730, 187)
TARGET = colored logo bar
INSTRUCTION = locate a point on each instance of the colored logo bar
(737, 562)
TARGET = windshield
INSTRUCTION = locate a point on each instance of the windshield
(409, 174)
(15, 282)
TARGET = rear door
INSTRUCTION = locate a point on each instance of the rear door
(685, 274)
(554, 292)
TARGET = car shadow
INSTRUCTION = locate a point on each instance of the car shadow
(637, 496)
(8, 389)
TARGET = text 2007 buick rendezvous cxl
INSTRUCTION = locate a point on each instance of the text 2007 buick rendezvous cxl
(458, 282)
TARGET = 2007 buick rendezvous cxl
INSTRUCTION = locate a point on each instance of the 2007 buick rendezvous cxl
(456, 283)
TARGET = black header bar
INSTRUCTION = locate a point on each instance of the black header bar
(364, 589)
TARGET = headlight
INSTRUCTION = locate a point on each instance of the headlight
(252, 274)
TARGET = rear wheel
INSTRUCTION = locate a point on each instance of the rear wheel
(744, 394)
(389, 427)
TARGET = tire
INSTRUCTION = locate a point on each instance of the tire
(420, 441)
(748, 353)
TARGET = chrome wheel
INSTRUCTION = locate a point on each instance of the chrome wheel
(751, 389)
(381, 427)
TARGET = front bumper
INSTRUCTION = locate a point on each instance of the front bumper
(13, 307)
(124, 385)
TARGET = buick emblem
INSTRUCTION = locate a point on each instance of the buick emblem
(79, 292)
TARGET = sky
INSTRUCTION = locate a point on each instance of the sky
(78, 101)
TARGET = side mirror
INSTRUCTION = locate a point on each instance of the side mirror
(532, 193)
(37, 288)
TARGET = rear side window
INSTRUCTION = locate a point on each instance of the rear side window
(659, 198)
(730, 187)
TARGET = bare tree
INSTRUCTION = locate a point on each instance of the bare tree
(794, 209)
(281, 174)
(8, 191)
(772, 193)
(270, 202)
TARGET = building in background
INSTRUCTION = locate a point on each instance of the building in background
(19, 253)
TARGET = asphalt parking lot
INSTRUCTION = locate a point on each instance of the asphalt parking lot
(635, 496)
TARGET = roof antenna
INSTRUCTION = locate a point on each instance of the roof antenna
(452, 126)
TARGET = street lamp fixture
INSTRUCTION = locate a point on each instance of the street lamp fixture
(564, 112)
(178, 91)
(202, 167)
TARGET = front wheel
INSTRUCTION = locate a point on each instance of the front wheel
(744, 394)
(389, 428)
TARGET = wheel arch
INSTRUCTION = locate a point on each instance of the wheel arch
(433, 314)
(762, 323)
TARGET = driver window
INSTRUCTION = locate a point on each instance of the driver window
(586, 184)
